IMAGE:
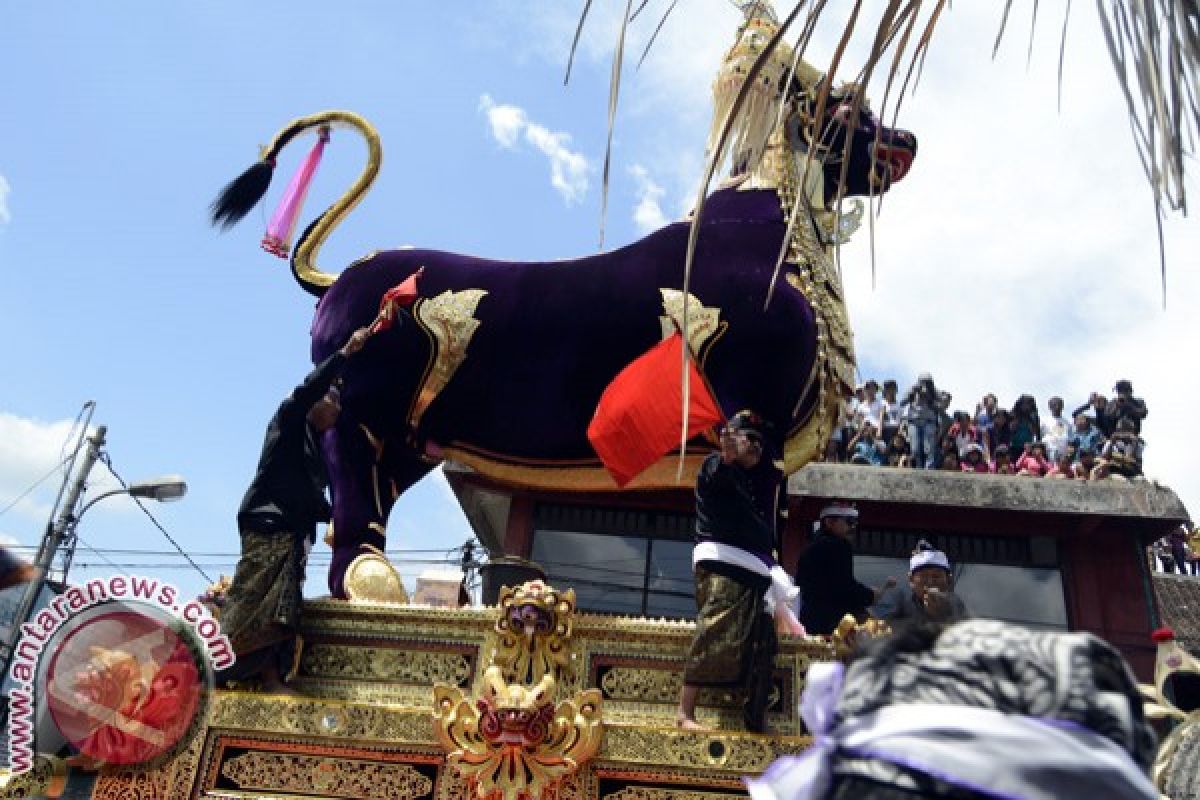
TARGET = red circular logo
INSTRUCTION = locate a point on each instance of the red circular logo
(123, 686)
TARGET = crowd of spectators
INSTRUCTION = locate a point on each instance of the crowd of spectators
(1100, 439)
(1178, 551)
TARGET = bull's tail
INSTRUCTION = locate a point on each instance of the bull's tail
(241, 195)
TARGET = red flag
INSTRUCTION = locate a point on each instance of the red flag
(402, 295)
(637, 420)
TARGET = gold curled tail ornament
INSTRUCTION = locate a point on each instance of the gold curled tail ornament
(304, 258)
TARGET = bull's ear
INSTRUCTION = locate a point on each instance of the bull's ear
(241, 195)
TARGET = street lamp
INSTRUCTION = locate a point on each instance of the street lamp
(164, 490)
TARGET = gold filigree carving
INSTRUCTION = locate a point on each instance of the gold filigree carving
(849, 634)
(514, 743)
(340, 777)
(394, 665)
(703, 322)
(733, 752)
(114, 784)
(664, 793)
(534, 630)
(320, 718)
(647, 686)
(449, 319)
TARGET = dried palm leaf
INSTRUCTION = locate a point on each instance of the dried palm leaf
(614, 91)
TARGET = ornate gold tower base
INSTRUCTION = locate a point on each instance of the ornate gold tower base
(371, 729)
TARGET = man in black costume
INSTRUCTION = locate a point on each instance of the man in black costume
(737, 512)
(828, 588)
(278, 524)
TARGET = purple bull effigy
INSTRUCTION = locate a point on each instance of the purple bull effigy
(500, 365)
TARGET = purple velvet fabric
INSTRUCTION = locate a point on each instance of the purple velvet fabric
(552, 335)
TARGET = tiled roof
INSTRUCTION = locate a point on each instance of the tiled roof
(1179, 604)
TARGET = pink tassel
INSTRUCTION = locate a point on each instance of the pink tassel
(278, 240)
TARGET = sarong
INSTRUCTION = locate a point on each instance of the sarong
(734, 644)
(262, 609)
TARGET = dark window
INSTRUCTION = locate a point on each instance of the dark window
(1031, 596)
(621, 562)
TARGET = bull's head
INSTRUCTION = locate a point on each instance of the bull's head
(874, 158)
(851, 150)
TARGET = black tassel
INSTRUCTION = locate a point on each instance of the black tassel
(241, 195)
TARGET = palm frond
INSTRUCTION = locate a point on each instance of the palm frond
(587, 6)
(614, 91)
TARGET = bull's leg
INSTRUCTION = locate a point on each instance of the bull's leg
(353, 455)
(367, 474)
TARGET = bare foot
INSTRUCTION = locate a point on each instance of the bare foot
(688, 724)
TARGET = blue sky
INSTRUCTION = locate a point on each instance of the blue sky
(1018, 256)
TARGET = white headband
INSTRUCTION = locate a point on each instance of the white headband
(839, 511)
(928, 558)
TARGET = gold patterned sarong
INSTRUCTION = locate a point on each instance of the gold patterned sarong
(735, 641)
(730, 616)
(262, 608)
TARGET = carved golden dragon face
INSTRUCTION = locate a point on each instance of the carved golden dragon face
(534, 630)
(512, 715)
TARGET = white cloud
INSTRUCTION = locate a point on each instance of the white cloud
(30, 449)
(647, 214)
(568, 169)
(506, 121)
(5, 188)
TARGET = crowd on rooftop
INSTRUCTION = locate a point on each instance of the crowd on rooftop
(1100, 439)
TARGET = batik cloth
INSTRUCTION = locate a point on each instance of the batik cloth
(262, 609)
(735, 643)
(983, 710)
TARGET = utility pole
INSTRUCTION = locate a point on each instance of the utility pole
(56, 531)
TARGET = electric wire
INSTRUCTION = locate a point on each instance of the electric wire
(34, 485)
(108, 463)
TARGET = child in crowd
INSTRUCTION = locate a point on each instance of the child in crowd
(1084, 464)
(950, 462)
(963, 432)
(899, 453)
(974, 461)
(1002, 464)
(1064, 466)
(1033, 461)
(864, 449)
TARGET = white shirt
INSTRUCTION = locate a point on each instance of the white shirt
(872, 411)
(1055, 433)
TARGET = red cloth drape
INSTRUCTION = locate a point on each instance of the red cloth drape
(402, 295)
(637, 421)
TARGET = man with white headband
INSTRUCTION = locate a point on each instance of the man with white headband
(930, 595)
(828, 588)
(738, 497)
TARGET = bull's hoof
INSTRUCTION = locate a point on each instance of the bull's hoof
(371, 578)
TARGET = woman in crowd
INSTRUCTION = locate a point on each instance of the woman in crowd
(1026, 426)
(1001, 430)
